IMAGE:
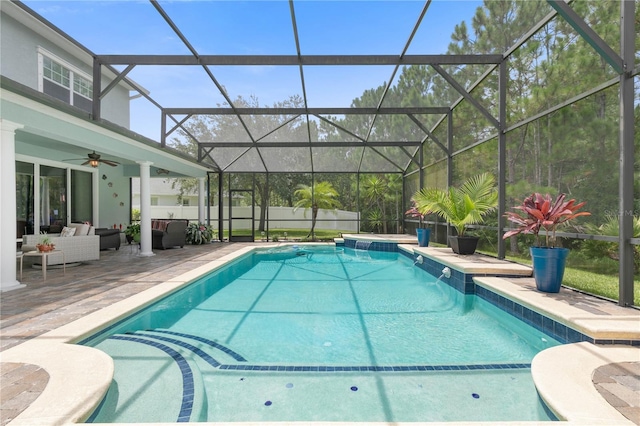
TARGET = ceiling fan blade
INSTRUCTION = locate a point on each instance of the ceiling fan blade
(75, 159)
(110, 163)
(85, 163)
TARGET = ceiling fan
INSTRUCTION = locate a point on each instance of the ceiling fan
(94, 160)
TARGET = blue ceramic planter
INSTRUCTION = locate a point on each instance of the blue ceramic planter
(424, 234)
(548, 267)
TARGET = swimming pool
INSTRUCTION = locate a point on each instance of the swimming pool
(319, 333)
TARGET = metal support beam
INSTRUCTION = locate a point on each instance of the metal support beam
(163, 129)
(295, 60)
(97, 87)
(395, 69)
(428, 133)
(449, 160)
(116, 80)
(502, 157)
(312, 111)
(627, 155)
(466, 95)
(306, 144)
(221, 206)
(589, 35)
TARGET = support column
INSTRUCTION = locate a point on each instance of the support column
(627, 154)
(502, 157)
(201, 200)
(145, 208)
(8, 230)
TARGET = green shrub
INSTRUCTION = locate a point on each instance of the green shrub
(199, 233)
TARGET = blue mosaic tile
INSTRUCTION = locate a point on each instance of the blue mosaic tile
(202, 354)
(374, 368)
(560, 331)
(211, 343)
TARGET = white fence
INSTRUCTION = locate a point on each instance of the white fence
(278, 217)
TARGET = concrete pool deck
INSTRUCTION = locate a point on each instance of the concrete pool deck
(42, 385)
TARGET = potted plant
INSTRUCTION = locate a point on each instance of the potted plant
(132, 233)
(199, 233)
(541, 212)
(45, 245)
(424, 234)
(463, 206)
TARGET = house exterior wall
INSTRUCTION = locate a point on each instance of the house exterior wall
(20, 45)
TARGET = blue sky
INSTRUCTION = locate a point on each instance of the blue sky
(255, 28)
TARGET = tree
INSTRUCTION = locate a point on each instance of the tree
(322, 195)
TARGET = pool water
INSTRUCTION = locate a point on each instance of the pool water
(326, 334)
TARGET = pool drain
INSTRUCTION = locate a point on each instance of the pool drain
(354, 388)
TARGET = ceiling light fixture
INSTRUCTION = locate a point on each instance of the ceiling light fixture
(94, 163)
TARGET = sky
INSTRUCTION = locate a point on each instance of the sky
(254, 28)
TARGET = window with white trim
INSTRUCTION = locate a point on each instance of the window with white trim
(63, 81)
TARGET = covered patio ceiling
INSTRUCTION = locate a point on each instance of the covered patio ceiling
(316, 97)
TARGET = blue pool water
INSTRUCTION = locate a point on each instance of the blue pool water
(321, 334)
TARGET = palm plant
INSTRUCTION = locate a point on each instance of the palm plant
(322, 195)
(463, 206)
(375, 191)
(611, 227)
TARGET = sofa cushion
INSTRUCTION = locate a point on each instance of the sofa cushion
(67, 232)
(81, 228)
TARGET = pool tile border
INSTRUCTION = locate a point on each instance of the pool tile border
(464, 283)
(375, 368)
(375, 245)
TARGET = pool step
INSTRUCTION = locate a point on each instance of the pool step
(210, 344)
(153, 381)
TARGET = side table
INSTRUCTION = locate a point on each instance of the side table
(44, 256)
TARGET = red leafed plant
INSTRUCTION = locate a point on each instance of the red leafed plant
(414, 212)
(542, 212)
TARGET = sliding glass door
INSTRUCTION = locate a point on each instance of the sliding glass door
(53, 199)
(24, 198)
(49, 197)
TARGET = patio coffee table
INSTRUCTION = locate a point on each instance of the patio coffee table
(44, 256)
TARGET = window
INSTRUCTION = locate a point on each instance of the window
(185, 201)
(154, 201)
(62, 81)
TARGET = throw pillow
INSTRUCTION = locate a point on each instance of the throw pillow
(81, 228)
(67, 232)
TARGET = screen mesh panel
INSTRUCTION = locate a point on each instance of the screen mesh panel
(338, 159)
(286, 159)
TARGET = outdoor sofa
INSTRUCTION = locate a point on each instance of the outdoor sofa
(80, 247)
